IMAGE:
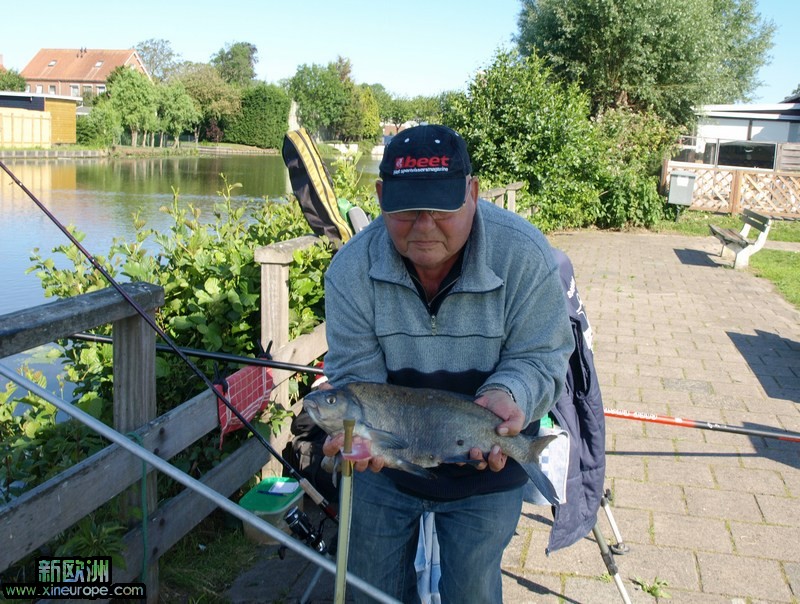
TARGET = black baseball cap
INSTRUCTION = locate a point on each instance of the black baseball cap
(425, 168)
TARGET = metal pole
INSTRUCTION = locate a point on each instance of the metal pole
(216, 356)
(191, 483)
(702, 425)
(345, 509)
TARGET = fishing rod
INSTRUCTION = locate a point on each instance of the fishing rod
(307, 487)
(216, 356)
(702, 425)
(195, 485)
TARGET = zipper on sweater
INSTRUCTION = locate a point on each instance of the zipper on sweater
(433, 325)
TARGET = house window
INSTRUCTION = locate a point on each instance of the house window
(74, 90)
(52, 63)
(51, 89)
(747, 154)
(87, 89)
(101, 88)
(98, 64)
(39, 89)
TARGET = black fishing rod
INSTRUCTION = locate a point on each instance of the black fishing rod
(215, 356)
(307, 487)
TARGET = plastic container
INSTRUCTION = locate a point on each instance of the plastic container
(271, 499)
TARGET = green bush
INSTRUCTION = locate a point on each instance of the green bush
(263, 119)
(520, 125)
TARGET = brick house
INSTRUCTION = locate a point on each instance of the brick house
(76, 72)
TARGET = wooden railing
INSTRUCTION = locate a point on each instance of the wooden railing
(38, 515)
(731, 190)
(505, 197)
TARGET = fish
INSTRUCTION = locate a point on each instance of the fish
(414, 429)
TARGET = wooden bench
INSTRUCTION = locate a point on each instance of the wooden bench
(738, 243)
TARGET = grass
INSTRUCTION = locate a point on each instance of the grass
(782, 268)
(202, 565)
(696, 223)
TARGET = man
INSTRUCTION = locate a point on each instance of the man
(444, 291)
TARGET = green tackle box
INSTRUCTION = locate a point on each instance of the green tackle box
(270, 499)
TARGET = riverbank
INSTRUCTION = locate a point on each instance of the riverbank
(185, 150)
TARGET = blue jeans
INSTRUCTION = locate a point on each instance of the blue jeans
(472, 533)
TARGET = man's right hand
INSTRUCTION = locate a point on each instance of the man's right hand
(333, 445)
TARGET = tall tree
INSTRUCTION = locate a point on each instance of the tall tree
(133, 97)
(321, 96)
(177, 111)
(236, 63)
(667, 56)
(158, 57)
(213, 97)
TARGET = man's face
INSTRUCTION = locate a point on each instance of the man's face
(433, 240)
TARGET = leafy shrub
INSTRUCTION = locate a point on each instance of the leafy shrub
(520, 125)
(263, 118)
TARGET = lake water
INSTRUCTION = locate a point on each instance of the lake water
(100, 196)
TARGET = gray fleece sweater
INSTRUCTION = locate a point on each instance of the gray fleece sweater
(503, 322)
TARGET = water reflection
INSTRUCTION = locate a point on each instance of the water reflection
(100, 197)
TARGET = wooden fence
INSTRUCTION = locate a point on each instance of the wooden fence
(40, 514)
(731, 190)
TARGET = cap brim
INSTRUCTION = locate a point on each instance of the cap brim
(443, 195)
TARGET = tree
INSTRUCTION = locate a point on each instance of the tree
(667, 56)
(158, 57)
(361, 121)
(102, 127)
(236, 63)
(214, 98)
(11, 81)
(321, 96)
(133, 97)
(176, 111)
(522, 125)
(264, 117)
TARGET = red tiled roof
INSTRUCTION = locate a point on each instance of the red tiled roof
(79, 65)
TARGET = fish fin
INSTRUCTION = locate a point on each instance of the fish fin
(387, 440)
(541, 482)
(412, 468)
(536, 445)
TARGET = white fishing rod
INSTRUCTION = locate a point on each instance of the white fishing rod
(191, 483)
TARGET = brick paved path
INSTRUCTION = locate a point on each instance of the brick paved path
(714, 515)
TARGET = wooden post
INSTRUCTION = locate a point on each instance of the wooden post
(134, 350)
(735, 199)
(275, 260)
(511, 195)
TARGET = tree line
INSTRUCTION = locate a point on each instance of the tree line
(583, 108)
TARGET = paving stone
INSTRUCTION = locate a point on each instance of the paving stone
(679, 472)
(748, 480)
(743, 577)
(681, 530)
(729, 505)
(647, 495)
(780, 510)
(766, 541)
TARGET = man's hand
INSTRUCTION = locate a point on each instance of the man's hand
(503, 406)
(334, 445)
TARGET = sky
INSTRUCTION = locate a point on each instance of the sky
(415, 47)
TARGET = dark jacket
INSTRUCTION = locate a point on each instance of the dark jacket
(580, 412)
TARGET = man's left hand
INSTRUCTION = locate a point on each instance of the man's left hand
(503, 406)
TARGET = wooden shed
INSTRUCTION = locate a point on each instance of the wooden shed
(23, 112)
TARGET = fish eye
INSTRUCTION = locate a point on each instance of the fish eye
(331, 399)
